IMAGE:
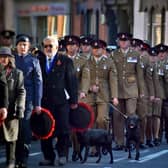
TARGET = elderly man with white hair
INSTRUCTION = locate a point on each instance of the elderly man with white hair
(59, 80)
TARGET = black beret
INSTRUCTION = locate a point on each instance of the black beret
(153, 52)
(145, 46)
(97, 44)
(7, 33)
(85, 40)
(136, 42)
(124, 36)
(161, 48)
(104, 44)
(71, 39)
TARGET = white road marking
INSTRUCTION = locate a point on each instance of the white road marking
(3, 159)
(34, 154)
(119, 159)
(150, 157)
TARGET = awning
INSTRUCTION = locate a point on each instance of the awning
(159, 5)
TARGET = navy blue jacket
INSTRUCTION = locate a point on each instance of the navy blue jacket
(32, 77)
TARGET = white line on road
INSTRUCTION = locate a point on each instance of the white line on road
(151, 156)
(2, 160)
(119, 159)
(34, 154)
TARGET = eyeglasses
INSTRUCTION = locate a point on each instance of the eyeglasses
(50, 45)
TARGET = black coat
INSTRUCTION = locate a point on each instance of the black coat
(3, 89)
(61, 77)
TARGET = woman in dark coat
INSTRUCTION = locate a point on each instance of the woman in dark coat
(16, 92)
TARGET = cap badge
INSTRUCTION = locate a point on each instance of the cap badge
(96, 44)
(123, 36)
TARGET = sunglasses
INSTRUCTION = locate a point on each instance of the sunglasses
(50, 46)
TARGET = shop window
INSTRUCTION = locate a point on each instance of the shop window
(156, 26)
(56, 25)
(156, 29)
(44, 26)
(24, 25)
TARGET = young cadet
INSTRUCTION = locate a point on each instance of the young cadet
(30, 67)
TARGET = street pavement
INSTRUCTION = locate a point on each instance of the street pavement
(155, 157)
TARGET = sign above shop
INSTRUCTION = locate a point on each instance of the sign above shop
(25, 9)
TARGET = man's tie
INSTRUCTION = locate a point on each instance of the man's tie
(49, 63)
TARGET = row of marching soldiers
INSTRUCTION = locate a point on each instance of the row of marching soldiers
(134, 78)
(131, 79)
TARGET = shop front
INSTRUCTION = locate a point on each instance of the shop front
(39, 19)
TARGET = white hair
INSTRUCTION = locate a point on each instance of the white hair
(53, 38)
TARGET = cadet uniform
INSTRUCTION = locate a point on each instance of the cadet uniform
(150, 87)
(130, 85)
(103, 76)
(162, 53)
(77, 59)
(85, 46)
(165, 102)
(157, 91)
(30, 67)
(142, 102)
(79, 62)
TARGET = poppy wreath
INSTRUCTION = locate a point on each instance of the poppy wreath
(43, 124)
(82, 118)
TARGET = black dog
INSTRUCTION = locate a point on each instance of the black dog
(95, 137)
(133, 134)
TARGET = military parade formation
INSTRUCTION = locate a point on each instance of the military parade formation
(78, 82)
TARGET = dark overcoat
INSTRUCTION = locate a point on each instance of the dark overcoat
(60, 79)
(3, 89)
(16, 105)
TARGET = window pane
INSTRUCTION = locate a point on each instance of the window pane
(156, 35)
(24, 25)
(156, 28)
